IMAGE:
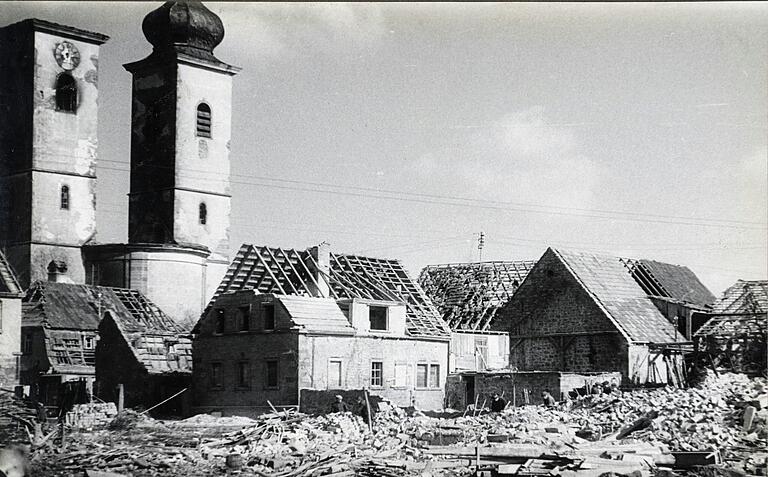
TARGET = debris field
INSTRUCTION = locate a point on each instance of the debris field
(719, 428)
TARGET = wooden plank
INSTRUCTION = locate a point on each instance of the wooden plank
(269, 270)
(285, 275)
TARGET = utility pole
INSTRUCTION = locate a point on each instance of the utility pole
(481, 244)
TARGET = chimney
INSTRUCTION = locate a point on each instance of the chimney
(57, 272)
(320, 272)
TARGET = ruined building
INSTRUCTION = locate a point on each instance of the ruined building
(60, 332)
(287, 324)
(582, 312)
(148, 354)
(468, 295)
(734, 335)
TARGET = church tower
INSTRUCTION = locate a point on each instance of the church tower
(48, 142)
(182, 105)
(179, 201)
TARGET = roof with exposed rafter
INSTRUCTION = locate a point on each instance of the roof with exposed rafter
(468, 295)
(665, 280)
(291, 272)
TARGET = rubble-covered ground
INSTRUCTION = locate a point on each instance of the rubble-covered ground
(586, 437)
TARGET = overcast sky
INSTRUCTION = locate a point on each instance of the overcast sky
(404, 130)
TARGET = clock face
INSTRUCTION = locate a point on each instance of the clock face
(67, 55)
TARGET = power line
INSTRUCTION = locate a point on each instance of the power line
(472, 202)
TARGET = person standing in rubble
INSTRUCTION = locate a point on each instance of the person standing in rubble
(549, 401)
(339, 405)
(362, 410)
(498, 403)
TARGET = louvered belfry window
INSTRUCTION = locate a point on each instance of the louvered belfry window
(203, 120)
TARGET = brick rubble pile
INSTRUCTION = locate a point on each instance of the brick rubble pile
(290, 444)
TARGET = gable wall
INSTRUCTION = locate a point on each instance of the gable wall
(555, 325)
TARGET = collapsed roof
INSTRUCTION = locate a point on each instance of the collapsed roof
(70, 313)
(744, 296)
(468, 295)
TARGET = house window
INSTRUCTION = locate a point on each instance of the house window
(270, 374)
(269, 317)
(64, 198)
(66, 93)
(220, 321)
(401, 375)
(203, 214)
(27, 347)
(245, 315)
(434, 375)
(481, 351)
(203, 120)
(88, 342)
(421, 375)
(427, 375)
(242, 374)
(377, 373)
(378, 318)
(216, 381)
(334, 374)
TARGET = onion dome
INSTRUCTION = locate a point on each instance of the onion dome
(184, 27)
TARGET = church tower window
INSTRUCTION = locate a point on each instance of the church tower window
(64, 199)
(203, 214)
(66, 93)
(203, 120)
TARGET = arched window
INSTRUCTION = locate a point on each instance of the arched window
(203, 215)
(64, 198)
(203, 120)
(66, 93)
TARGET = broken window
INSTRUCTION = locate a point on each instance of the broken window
(377, 372)
(203, 120)
(220, 321)
(203, 214)
(216, 381)
(334, 373)
(421, 375)
(378, 318)
(269, 316)
(64, 197)
(242, 374)
(245, 318)
(434, 375)
(66, 93)
(270, 374)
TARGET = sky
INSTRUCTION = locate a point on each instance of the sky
(405, 130)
